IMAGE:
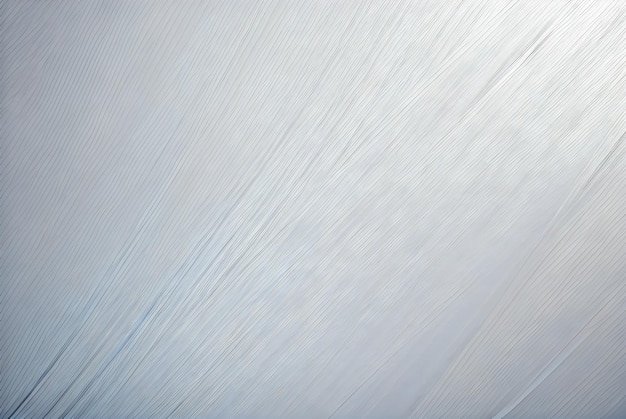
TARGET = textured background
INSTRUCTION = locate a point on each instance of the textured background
(313, 208)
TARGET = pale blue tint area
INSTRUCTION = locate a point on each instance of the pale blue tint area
(312, 209)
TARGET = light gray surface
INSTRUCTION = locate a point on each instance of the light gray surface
(313, 208)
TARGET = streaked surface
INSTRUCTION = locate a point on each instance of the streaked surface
(313, 208)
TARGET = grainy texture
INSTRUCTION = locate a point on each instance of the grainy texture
(313, 208)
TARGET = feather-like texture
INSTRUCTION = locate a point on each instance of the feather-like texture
(313, 208)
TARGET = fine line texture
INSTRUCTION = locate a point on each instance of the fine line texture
(313, 208)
